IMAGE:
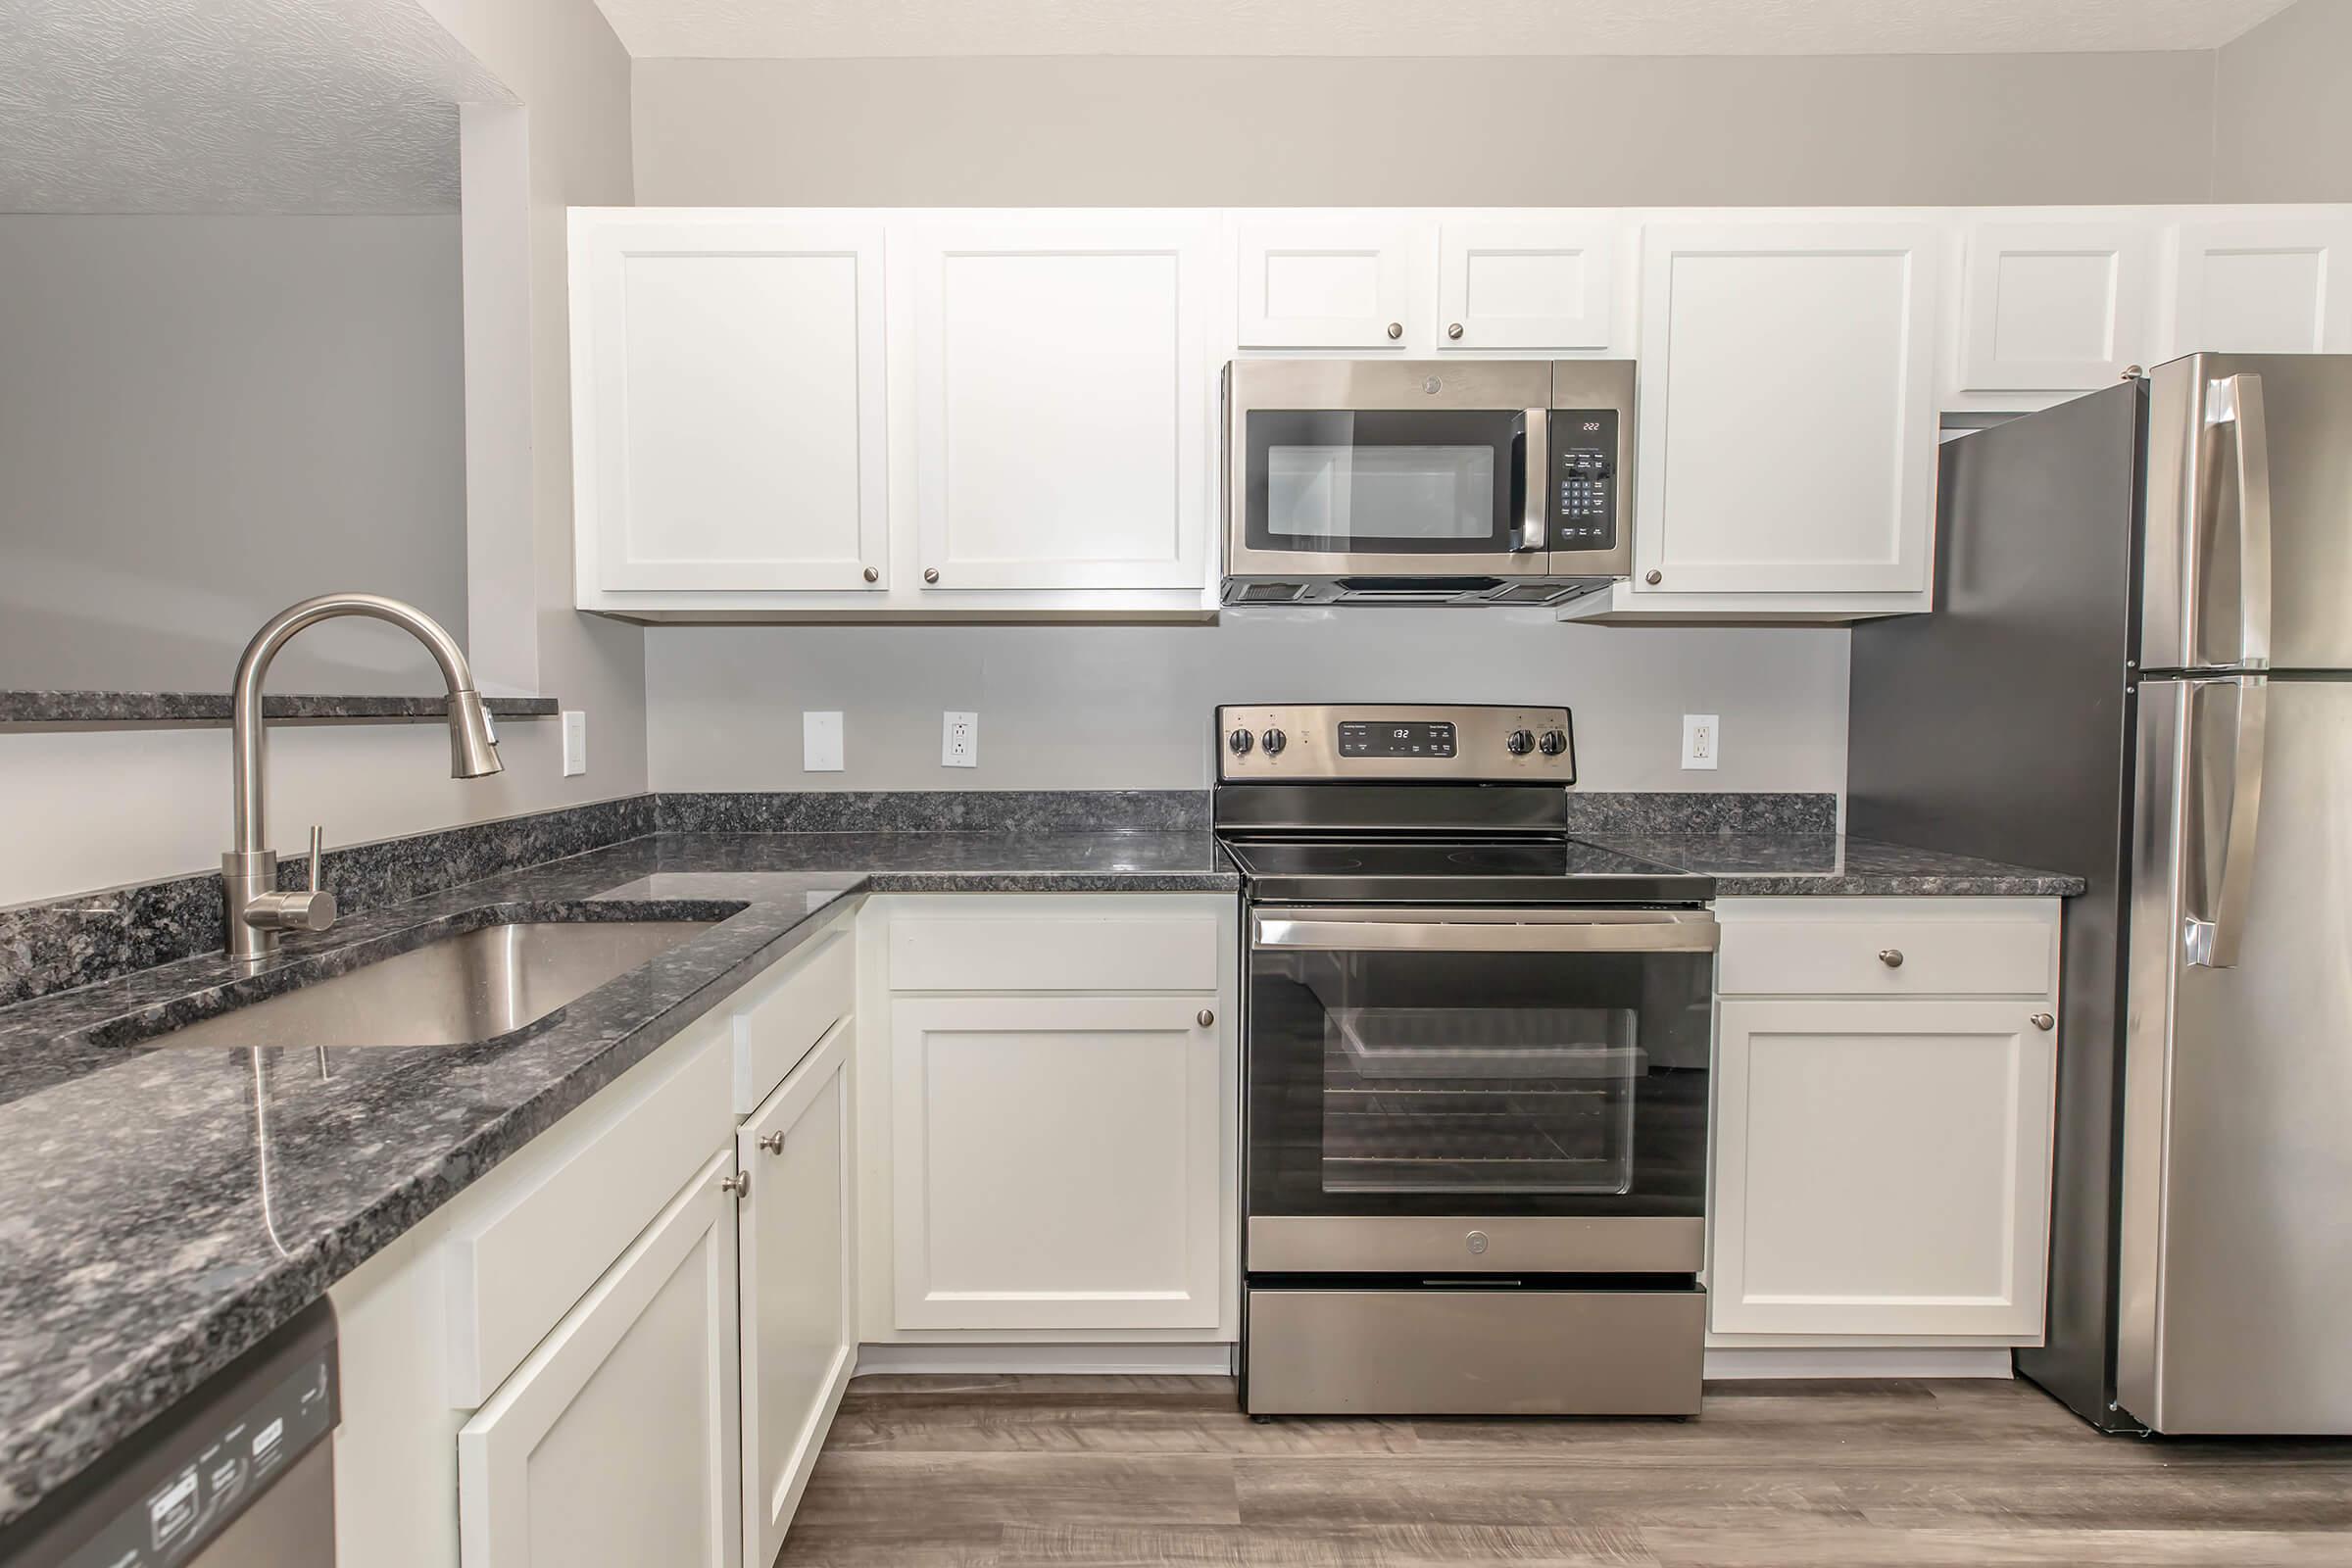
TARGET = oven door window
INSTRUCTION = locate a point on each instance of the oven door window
(1403, 1082)
(1449, 481)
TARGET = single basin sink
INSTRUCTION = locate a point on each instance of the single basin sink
(458, 989)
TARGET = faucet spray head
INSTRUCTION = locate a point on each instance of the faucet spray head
(473, 743)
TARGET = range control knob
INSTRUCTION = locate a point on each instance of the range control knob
(1240, 742)
(1553, 743)
(1519, 743)
(1274, 741)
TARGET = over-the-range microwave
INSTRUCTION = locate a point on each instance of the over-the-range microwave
(1426, 481)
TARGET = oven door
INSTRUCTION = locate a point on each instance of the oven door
(1335, 468)
(1478, 1090)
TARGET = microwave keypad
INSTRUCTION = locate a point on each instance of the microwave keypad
(1583, 461)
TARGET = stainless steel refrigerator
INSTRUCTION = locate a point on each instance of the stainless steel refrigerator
(2139, 669)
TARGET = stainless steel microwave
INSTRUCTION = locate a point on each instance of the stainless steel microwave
(1426, 481)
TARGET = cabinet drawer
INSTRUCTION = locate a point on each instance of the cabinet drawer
(789, 1013)
(1843, 956)
(516, 1270)
(1046, 952)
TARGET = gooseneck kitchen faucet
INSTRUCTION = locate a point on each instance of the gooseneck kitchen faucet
(256, 911)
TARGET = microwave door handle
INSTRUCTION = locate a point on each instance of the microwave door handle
(1537, 468)
(2235, 401)
(2212, 940)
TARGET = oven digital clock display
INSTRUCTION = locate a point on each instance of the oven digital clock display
(1396, 738)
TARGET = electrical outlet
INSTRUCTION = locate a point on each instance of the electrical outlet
(1702, 738)
(959, 740)
(820, 743)
(575, 741)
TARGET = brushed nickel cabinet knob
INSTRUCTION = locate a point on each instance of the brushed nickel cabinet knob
(930, 574)
(1891, 957)
(872, 575)
(738, 1185)
(1454, 332)
(1395, 330)
(773, 1143)
(1653, 577)
(1206, 1018)
(2046, 1021)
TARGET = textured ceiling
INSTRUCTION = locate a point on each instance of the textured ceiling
(847, 28)
(230, 106)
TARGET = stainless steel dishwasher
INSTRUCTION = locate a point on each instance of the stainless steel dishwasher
(240, 1474)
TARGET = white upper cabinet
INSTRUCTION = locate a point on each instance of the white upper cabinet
(2253, 284)
(1326, 282)
(730, 423)
(2053, 307)
(1062, 404)
(1787, 425)
(1526, 282)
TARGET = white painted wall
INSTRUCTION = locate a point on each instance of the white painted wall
(205, 418)
(1174, 132)
(2282, 108)
(92, 808)
(1129, 707)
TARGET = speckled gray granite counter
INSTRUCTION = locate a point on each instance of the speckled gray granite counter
(161, 1210)
(167, 709)
(1759, 864)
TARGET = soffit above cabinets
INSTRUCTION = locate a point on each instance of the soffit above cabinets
(854, 29)
(232, 106)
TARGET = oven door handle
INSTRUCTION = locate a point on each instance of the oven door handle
(1646, 931)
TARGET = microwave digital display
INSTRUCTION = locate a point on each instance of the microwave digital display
(1396, 738)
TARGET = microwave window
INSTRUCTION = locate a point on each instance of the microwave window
(1337, 493)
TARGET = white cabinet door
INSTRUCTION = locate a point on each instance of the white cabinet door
(1336, 281)
(2054, 306)
(1882, 1167)
(729, 422)
(799, 1284)
(614, 1444)
(1063, 402)
(1787, 423)
(2262, 285)
(1526, 284)
(1054, 1163)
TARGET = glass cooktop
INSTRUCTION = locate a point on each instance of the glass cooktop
(1520, 870)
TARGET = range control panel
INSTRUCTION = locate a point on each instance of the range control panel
(1584, 482)
(1307, 742)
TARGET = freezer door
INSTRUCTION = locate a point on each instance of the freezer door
(2249, 533)
(2236, 1222)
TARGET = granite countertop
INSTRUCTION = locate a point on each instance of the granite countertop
(106, 710)
(1759, 864)
(162, 1210)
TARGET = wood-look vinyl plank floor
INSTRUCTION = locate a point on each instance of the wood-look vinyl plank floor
(1165, 1472)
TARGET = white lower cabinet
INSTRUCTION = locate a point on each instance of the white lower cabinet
(1055, 1162)
(797, 1282)
(615, 1442)
(1883, 1093)
(1884, 1168)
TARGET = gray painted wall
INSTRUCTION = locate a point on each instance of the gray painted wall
(1129, 707)
(205, 418)
(1647, 131)
(2283, 111)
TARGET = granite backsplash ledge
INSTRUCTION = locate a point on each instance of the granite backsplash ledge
(932, 812)
(59, 944)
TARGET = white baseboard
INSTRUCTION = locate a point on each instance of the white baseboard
(1954, 1361)
(1145, 1360)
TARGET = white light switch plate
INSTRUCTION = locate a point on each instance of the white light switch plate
(959, 740)
(820, 743)
(575, 741)
(1702, 740)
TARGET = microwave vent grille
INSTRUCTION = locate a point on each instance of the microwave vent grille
(1270, 593)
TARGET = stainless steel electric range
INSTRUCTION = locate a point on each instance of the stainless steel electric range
(1475, 1081)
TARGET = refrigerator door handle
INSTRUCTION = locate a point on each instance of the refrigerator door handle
(2235, 401)
(2212, 940)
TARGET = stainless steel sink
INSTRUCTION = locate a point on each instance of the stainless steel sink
(460, 989)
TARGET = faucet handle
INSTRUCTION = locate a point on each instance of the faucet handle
(311, 909)
(317, 853)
